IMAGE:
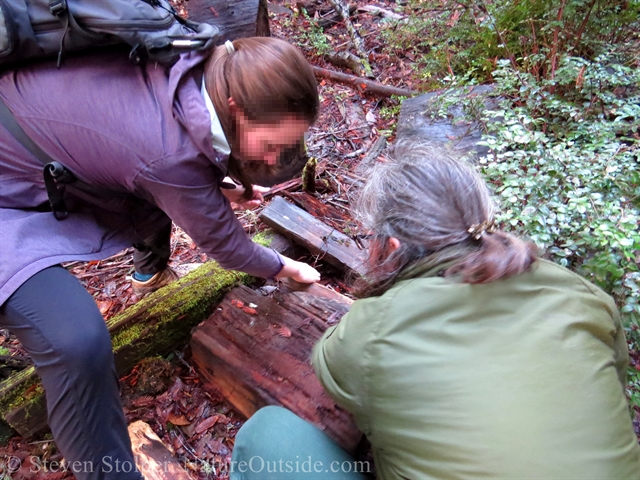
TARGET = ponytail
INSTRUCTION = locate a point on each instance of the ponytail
(499, 256)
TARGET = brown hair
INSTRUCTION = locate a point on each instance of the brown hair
(269, 79)
(431, 201)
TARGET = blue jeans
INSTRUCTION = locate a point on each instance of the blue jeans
(276, 444)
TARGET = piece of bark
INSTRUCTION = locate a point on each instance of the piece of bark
(255, 350)
(237, 19)
(281, 244)
(152, 458)
(345, 59)
(416, 122)
(363, 85)
(329, 244)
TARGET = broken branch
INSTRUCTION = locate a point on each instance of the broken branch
(358, 44)
(363, 84)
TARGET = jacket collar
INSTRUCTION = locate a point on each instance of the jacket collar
(433, 265)
(189, 107)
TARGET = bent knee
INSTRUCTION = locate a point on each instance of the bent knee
(87, 350)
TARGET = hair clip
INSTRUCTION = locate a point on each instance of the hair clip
(476, 231)
(229, 46)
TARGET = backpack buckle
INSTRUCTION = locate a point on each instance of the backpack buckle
(58, 7)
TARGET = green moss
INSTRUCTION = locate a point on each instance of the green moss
(263, 238)
(19, 389)
(189, 299)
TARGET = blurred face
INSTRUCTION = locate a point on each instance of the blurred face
(265, 142)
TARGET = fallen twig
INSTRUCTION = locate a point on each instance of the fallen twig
(381, 11)
(363, 84)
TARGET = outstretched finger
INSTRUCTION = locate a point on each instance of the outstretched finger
(261, 189)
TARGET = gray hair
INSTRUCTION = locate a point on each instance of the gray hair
(441, 210)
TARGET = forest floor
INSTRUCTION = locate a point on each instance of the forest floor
(195, 424)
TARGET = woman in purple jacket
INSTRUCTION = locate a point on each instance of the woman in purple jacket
(154, 146)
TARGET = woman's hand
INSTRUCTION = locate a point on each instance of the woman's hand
(234, 195)
(298, 271)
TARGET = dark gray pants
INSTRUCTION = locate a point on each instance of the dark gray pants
(58, 323)
(153, 254)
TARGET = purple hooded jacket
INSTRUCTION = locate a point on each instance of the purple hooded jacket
(122, 128)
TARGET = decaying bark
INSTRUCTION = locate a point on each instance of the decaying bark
(330, 244)
(255, 350)
(152, 458)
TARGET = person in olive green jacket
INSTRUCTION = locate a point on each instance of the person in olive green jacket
(471, 358)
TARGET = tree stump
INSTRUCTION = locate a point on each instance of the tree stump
(255, 350)
(235, 19)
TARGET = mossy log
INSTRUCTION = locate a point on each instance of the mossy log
(154, 326)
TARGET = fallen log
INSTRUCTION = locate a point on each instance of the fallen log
(370, 159)
(358, 44)
(255, 350)
(328, 243)
(156, 325)
(363, 85)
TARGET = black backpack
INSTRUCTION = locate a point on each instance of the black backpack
(31, 29)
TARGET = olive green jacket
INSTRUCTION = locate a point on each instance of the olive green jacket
(517, 379)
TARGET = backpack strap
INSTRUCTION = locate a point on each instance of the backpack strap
(54, 172)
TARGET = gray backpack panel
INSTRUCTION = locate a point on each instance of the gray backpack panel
(31, 29)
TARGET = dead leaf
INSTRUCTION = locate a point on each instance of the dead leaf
(370, 117)
(178, 420)
(206, 424)
(217, 446)
(237, 303)
(250, 311)
(104, 306)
